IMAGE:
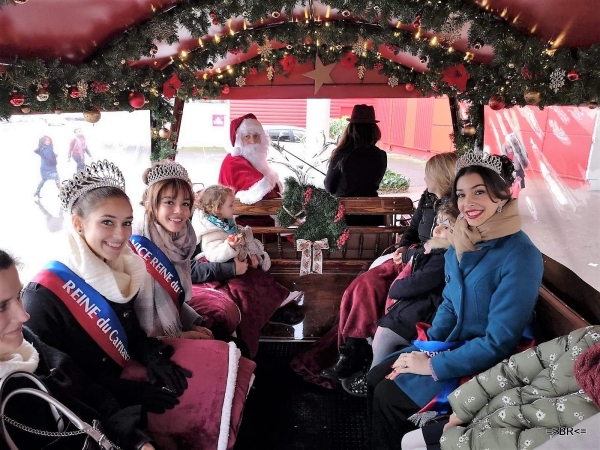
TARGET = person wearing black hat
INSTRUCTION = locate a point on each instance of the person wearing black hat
(357, 165)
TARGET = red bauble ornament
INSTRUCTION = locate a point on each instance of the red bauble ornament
(215, 22)
(409, 87)
(496, 102)
(225, 89)
(573, 75)
(73, 92)
(16, 99)
(137, 100)
(212, 15)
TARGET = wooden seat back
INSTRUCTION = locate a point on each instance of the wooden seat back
(365, 242)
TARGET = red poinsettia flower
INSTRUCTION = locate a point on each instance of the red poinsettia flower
(288, 63)
(349, 60)
(456, 76)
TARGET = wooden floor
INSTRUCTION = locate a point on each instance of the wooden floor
(321, 304)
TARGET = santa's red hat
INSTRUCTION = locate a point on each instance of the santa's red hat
(242, 126)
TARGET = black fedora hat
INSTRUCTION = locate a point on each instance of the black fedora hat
(362, 114)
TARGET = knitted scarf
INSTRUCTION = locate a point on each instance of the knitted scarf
(227, 225)
(587, 372)
(464, 237)
(117, 281)
(156, 311)
(25, 358)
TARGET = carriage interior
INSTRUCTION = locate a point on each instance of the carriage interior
(487, 56)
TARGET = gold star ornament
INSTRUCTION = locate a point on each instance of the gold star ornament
(321, 74)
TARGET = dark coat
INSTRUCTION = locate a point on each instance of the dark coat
(203, 272)
(418, 295)
(422, 223)
(360, 175)
(70, 385)
(52, 321)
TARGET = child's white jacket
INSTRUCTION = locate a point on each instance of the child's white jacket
(213, 239)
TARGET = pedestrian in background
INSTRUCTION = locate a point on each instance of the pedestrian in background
(78, 148)
(48, 163)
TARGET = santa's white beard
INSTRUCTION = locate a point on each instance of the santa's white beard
(256, 154)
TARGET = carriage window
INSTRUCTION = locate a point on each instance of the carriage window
(34, 233)
(556, 153)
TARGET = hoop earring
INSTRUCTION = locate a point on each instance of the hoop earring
(499, 208)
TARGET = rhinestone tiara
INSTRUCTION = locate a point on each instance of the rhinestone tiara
(479, 158)
(93, 176)
(165, 171)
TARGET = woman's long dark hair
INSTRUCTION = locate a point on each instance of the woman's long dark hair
(356, 135)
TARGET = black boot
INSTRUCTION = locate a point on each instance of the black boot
(355, 354)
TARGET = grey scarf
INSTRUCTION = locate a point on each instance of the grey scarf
(156, 312)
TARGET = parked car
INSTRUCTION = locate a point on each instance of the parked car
(291, 156)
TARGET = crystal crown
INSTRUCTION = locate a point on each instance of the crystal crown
(479, 158)
(93, 176)
(166, 171)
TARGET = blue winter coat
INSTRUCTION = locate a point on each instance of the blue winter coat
(488, 302)
(48, 165)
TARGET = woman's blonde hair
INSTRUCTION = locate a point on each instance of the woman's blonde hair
(213, 197)
(440, 169)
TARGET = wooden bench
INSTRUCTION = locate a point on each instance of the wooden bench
(565, 302)
(365, 244)
(323, 293)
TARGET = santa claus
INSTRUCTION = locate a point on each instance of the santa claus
(246, 168)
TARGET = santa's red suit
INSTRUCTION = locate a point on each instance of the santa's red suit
(245, 168)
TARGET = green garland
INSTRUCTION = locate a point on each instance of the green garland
(324, 216)
(521, 61)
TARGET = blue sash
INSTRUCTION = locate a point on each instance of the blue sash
(160, 267)
(90, 309)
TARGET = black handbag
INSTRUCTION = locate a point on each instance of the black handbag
(95, 439)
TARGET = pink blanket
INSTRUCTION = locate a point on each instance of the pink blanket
(256, 294)
(210, 410)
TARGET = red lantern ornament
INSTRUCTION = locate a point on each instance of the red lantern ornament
(16, 99)
(225, 89)
(409, 87)
(73, 92)
(496, 102)
(573, 75)
(137, 100)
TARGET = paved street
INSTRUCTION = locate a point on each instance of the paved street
(561, 220)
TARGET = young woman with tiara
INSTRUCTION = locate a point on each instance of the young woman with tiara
(21, 351)
(493, 274)
(82, 302)
(166, 241)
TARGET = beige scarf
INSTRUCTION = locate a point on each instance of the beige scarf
(117, 281)
(464, 237)
(25, 358)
